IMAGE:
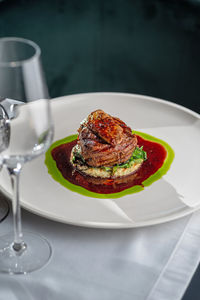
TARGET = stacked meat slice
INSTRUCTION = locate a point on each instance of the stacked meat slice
(105, 140)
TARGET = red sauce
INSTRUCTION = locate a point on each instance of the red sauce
(156, 155)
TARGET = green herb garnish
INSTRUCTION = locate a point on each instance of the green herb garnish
(138, 156)
(77, 155)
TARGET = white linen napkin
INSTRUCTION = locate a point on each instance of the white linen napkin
(153, 263)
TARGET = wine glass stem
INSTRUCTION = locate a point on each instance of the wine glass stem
(18, 244)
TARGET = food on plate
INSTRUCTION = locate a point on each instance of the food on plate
(106, 147)
(106, 159)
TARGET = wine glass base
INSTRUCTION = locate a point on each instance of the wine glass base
(34, 257)
(4, 209)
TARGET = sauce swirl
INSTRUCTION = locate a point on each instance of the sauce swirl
(156, 156)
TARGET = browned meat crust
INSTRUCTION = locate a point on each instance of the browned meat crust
(105, 140)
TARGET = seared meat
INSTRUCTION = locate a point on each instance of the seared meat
(105, 140)
(105, 127)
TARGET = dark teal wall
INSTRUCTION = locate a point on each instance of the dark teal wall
(141, 46)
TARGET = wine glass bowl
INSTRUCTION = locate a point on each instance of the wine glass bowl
(21, 73)
(29, 134)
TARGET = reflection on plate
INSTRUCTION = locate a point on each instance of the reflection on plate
(175, 195)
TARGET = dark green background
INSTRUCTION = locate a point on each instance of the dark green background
(148, 47)
(139, 46)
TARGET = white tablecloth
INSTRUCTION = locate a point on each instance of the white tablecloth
(151, 263)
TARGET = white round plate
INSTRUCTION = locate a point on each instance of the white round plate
(175, 195)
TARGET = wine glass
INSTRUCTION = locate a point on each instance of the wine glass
(4, 207)
(7, 108)
(30, 134)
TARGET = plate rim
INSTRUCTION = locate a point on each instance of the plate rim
(105, 225)
(131, 95)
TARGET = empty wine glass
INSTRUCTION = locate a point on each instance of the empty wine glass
(7, 109)
(4, 128)
(30, 134)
